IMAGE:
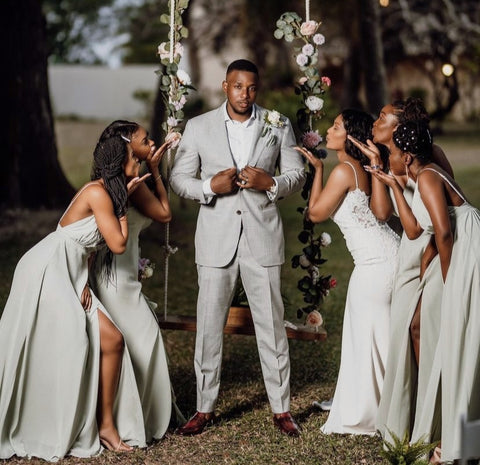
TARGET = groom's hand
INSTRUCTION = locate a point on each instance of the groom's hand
(252, 177)
(224, 182)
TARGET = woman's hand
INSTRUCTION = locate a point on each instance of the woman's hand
(135, 182)
(370, 150)
(388, 179)
(154, 158)
(86, 298)
(317, 163)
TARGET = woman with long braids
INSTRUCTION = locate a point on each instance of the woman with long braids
(132, 312)
(63, 362)
(440, 207)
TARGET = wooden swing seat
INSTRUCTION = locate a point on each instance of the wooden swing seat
(239, 322)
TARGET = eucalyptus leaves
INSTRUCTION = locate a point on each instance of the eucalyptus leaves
(175, 83)
(311, 86)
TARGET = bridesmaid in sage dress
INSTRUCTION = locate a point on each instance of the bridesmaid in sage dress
(373, 246)
(66, 379)
(440, 207)
(132, 312)
(405, 401)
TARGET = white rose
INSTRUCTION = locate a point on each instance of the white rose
(148, 272)
(325, 239)
(314, 103)
(183, 77)
(274, 117)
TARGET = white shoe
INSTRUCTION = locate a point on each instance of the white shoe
(325, 405)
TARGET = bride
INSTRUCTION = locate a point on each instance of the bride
(373, 246)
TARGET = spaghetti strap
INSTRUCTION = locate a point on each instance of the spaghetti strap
(75, 198)
(354, 172)
(448, 182)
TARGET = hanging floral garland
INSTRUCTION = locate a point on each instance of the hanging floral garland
(175, 84)
(310, 86)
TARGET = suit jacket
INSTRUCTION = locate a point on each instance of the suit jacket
(204, 151)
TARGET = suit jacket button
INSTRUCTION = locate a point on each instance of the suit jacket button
(238, 212)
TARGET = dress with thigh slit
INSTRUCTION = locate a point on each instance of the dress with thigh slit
(50, 354)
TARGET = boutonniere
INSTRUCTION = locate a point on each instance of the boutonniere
(272, 119)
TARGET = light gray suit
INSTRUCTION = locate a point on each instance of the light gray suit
(238, 233)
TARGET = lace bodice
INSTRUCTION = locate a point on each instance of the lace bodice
(368, 240)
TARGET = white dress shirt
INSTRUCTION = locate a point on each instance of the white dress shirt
(240, 138)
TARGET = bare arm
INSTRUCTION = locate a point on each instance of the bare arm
(324, 200)
(114, 230)
(380, 201)
(410, 224)
(433, 195)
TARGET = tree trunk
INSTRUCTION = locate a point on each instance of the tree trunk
(375, 77)
(31, 176)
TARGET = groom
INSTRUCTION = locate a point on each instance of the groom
(237, 149)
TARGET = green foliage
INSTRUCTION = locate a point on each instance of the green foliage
(402, 452)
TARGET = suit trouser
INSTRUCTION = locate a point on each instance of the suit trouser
(216, 289)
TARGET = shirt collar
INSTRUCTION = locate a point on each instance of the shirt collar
(250, 120)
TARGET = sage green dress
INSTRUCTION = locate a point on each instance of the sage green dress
(134, 314)
(457, 358)
(50, 354)
(405, 385)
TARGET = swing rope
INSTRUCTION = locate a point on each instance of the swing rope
(168, 249)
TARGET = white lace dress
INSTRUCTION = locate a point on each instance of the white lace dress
(365, 337)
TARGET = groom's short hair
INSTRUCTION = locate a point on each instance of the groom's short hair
(242, 65)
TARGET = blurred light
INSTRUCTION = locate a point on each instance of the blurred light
(384, 2)
(447, 69)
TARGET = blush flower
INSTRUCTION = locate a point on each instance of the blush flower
(308, 50)
(311, 139)
(302, 80)
(314, 319)
(314, 103)
(171, 121)
(302, 59)
(319, 39)
(173, 137)
(308, 28)
(326, 80)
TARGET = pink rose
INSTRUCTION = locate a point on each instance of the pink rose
(333, 283)
(308, 28)
(314, 319)
(326, 80)
(302, 80)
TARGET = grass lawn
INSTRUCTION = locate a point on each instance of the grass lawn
(244, 433)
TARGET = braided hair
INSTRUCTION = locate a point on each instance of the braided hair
(414, 137)
(108, 164)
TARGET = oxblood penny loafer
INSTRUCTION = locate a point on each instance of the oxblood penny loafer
(286, 424)
(196, 424)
